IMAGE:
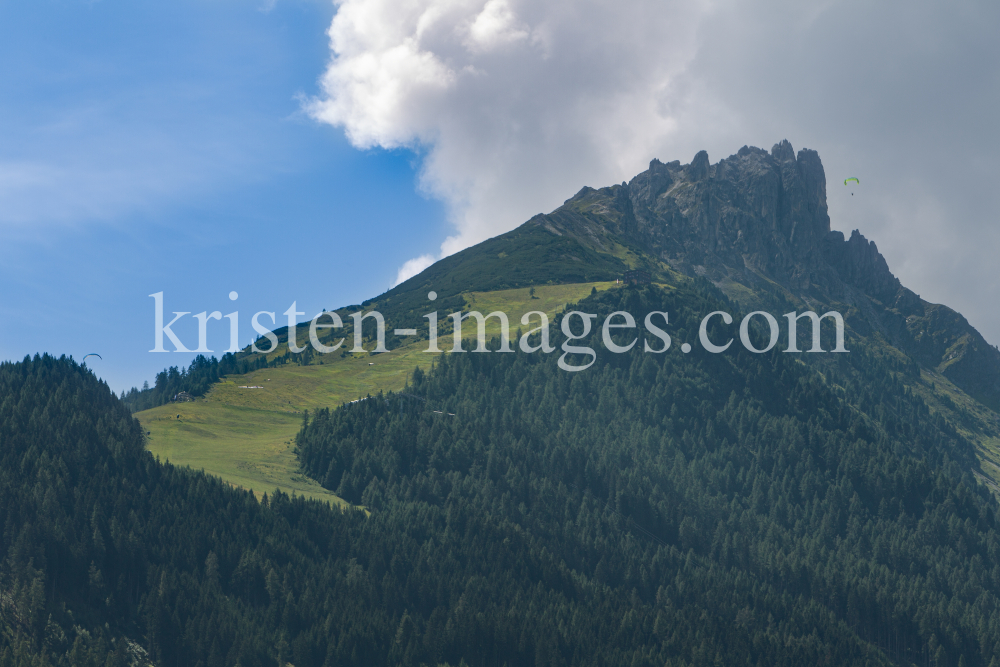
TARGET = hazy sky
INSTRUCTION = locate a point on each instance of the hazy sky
(310, 152)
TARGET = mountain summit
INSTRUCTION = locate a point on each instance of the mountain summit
(756, 225)
(677, 509)
(753, 217)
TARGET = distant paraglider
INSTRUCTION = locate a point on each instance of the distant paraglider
(93, 354)
(848, 180)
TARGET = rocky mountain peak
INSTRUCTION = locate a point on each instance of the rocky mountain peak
(698, 169)
(759, 218)
(783, 151)
(754, 216)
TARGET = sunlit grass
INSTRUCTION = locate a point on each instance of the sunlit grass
(247, 436)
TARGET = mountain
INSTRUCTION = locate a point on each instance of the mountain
(756, 225)
(659, 509)
(674, 508)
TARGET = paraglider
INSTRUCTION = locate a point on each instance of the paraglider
(848, 180)
(92, 354)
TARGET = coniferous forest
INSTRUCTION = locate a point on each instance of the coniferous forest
(655, 509)
(195, 380)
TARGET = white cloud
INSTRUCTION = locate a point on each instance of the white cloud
(516, 104)
(412, 267)
(495, 26)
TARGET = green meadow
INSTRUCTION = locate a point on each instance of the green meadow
(246, 435)
(549, 299)
(243, 430)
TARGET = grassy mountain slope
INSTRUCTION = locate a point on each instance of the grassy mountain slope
(258, 453)
(265, 458)
(246, 436)
(656, 509)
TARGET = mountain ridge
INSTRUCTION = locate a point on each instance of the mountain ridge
(760, 220)
(756, 227)
(681, 509)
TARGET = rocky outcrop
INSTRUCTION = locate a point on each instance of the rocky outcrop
(752, 213)
(756, 215)
(859, 263)
(760, 218)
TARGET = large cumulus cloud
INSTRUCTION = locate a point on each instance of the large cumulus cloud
(512, 106)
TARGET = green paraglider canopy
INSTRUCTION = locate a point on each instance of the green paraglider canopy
(847, 180)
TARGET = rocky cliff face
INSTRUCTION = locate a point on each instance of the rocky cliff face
(760, 218)
(754, 215)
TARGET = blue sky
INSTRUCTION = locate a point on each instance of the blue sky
(165, 150)
(317, 152)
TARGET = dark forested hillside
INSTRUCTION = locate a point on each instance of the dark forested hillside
(696, 509)
(680, 509)
(109, 555)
